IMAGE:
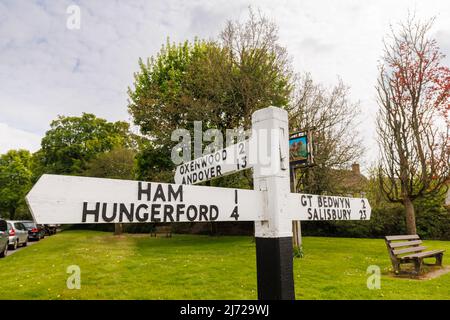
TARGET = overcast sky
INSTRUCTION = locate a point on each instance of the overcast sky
(47, 69)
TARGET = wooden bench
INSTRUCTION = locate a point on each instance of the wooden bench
(167, 230)
(409, 249)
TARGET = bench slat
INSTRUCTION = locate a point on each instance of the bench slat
(163, 229)
(403, 237)
(407, 250)
(405, 243)
(424, 254)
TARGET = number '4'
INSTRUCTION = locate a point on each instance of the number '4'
(235, 214)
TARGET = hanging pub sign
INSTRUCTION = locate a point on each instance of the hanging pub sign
(300, 149)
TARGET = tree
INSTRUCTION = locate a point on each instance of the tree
(221, 82)
(413, 133)
(332, 117)
(15, 180)
(118, 163)
(73, 141)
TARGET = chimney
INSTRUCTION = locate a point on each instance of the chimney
(355, 169)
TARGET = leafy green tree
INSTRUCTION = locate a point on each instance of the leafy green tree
(15, 180)
(118, 163)
(73, 141)
(220, 82)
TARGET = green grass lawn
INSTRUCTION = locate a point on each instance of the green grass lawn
(200, 267)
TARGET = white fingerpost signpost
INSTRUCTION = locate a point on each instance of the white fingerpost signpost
(220, 163)
(273, 235)
(58, 199)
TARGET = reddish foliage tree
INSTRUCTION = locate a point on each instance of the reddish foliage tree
(413, 120)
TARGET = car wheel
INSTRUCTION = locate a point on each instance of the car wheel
(4, 252)
(15, 245)
(26, 243)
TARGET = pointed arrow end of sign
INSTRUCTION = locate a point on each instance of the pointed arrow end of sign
(32, 198)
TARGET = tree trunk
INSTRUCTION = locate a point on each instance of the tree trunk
(12, 213)
(296, 227)
(213, 229)
(296, 234)
(118, 229)
(410, 216)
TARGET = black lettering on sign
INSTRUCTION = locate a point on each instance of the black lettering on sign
(235, 213)
(155, 212)
(310, 216)
(191, 213)
(306, 200)
(362, 214)
(144, 217)
(202, 213)
(87, 211)
(168, 211)
(180, 211)
(347, 202)
(113, 216)
(176, 195)
(142, 191)
(173, 193)
(303, 200)
(159, 194)
(213, 212)
(124, 210)
(241, 148)
(328, 214)
(242, 163)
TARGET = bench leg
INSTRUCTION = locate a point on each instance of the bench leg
(439, 259)
(396, 268)
(417, 266)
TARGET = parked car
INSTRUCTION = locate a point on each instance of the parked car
(18, 234)
(50, 229)
(35, 231)
(4, 238)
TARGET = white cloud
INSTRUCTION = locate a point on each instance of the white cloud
(11, 138)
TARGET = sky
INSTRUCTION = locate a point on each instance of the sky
(48, 68)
